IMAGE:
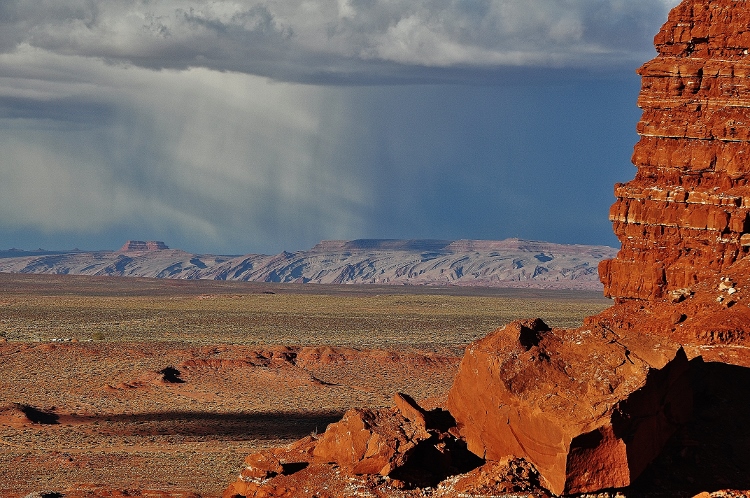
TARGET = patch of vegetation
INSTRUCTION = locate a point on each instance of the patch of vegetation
(210, 312)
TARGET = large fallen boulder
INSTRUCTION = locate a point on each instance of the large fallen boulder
(589, 409)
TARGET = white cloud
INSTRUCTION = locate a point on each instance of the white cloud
(336, 40)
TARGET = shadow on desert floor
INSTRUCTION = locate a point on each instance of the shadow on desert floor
(234, 426)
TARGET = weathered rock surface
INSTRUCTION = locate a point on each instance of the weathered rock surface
(506, 263)
(710, 319)
(392, 449)
(370, 441)
(685, 217)
(588, 408)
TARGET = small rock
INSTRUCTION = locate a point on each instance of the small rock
(370, 441)
(409, 408)
(262, 466)
(679, 295)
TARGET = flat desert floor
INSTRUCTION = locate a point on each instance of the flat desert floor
(140, 384)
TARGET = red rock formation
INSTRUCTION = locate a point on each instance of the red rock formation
(686, 215)
(710, 319)
(393, 449)
(20, 415)
(588, 408)
(370, 441)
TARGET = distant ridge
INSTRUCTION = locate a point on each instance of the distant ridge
(381, 245)
(139, 245)
(503, 263)
(17, 253)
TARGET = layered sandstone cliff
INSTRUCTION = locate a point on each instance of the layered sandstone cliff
(685, 217)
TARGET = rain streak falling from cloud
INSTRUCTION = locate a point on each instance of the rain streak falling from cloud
(261, 126)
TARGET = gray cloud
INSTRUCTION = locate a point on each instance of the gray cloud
(209, 159)
(340, 40)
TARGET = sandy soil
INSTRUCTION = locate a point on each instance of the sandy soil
(192, 376)
(120, 423)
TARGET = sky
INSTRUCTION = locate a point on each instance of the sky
(234, 127)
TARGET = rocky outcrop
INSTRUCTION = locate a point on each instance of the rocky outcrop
(20, 415)
(371, 441)
(588, 408)
(685, 218)
(592, 407)
(386, 449)
(532, 410)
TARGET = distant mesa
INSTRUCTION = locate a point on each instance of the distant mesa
(504, 263)
(140, 245)
(455, 246)
(382, 245)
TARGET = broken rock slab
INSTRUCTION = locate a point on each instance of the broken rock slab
(588, 408)
(370, 441)
(392, 449)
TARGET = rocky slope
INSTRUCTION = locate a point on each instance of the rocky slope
(507, 263)
(649, 397)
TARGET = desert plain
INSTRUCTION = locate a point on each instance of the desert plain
(130, 385)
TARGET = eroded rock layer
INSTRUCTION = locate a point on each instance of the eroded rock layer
(685, 217)
(588, 408)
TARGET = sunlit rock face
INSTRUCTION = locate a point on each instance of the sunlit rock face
(588, 408)
(684, 217)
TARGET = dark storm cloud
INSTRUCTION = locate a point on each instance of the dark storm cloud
(341, 41)
(155, 119)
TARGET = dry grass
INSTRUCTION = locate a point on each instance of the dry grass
(42, 308)
(121, 425)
